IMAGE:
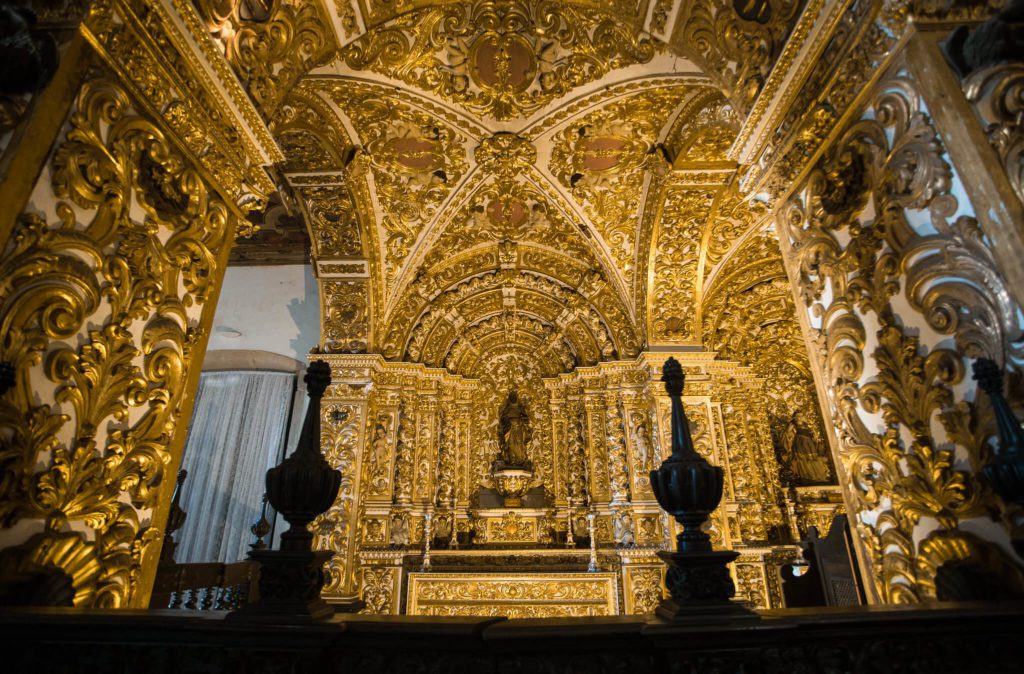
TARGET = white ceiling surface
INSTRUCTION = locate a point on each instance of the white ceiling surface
(274, 308)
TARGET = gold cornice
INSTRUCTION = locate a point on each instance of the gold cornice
(183, 14)
(787, 76)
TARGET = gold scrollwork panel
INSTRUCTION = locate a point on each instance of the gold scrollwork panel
(513, 595)
(900, 288)
(109, 284)
(343, 422)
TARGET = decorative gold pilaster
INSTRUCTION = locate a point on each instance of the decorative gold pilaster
(901, 288)
(112, 270)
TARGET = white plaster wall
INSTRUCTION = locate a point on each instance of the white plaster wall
(274, 308)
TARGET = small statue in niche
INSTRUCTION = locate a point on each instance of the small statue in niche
(513, 433)
(379, 445)
(624, 536)
(442, 531)
(641, 441)
(399, 530)
(801, 453)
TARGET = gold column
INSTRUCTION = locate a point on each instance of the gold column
(426, 447)
(112, 266)
(597, 453)
(901, 290)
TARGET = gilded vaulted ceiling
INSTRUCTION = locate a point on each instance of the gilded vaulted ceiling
(553, 180)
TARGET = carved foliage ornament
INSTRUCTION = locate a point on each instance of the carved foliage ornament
(106, 299)
(737, 42)
(501, 59)
(412, 159)
(333, 530)
(870, 226)
(270, 53)
(346, 316)
(604, 160)
(998, 96)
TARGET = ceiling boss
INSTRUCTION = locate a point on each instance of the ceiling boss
(499, 59)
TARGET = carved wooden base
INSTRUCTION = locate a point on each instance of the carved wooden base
(290, 583)
(701, 587)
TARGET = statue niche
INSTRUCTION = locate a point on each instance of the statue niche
(802, 457)
(512, 471)
(513, 434)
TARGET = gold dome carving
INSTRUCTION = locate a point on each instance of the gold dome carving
(501, 60)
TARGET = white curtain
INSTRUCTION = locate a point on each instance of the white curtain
(238, 431)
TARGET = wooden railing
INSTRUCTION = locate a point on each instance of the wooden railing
(205, 586)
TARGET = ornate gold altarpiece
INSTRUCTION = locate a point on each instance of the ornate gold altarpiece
(588, 445)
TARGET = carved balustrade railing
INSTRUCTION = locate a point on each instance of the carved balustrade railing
(205, 586)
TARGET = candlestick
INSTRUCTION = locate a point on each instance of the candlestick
(454, 544)
(593, 544)
(427, 529)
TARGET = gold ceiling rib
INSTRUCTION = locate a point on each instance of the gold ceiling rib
(456, 125)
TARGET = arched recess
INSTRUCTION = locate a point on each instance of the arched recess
(561, 300)
(749, 316)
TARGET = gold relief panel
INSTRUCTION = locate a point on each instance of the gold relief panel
(643, 588)
(375, 531)
(604, 530)
(752, 584)
(105, 306)
(377, 589)
(519, 595)
(345, 316)
(885, 175)
(512, 528)
(499, 60)
(331, 218)
(649, 530)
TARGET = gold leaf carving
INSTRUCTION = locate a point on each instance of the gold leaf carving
(107, 299)
(500, 59)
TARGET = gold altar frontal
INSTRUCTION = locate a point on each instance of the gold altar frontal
(514, 595)
(512, 582)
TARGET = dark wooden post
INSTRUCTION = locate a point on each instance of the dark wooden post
(302, 487)
(689, 488)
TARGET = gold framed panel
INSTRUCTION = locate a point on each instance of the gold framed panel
(513, 595)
